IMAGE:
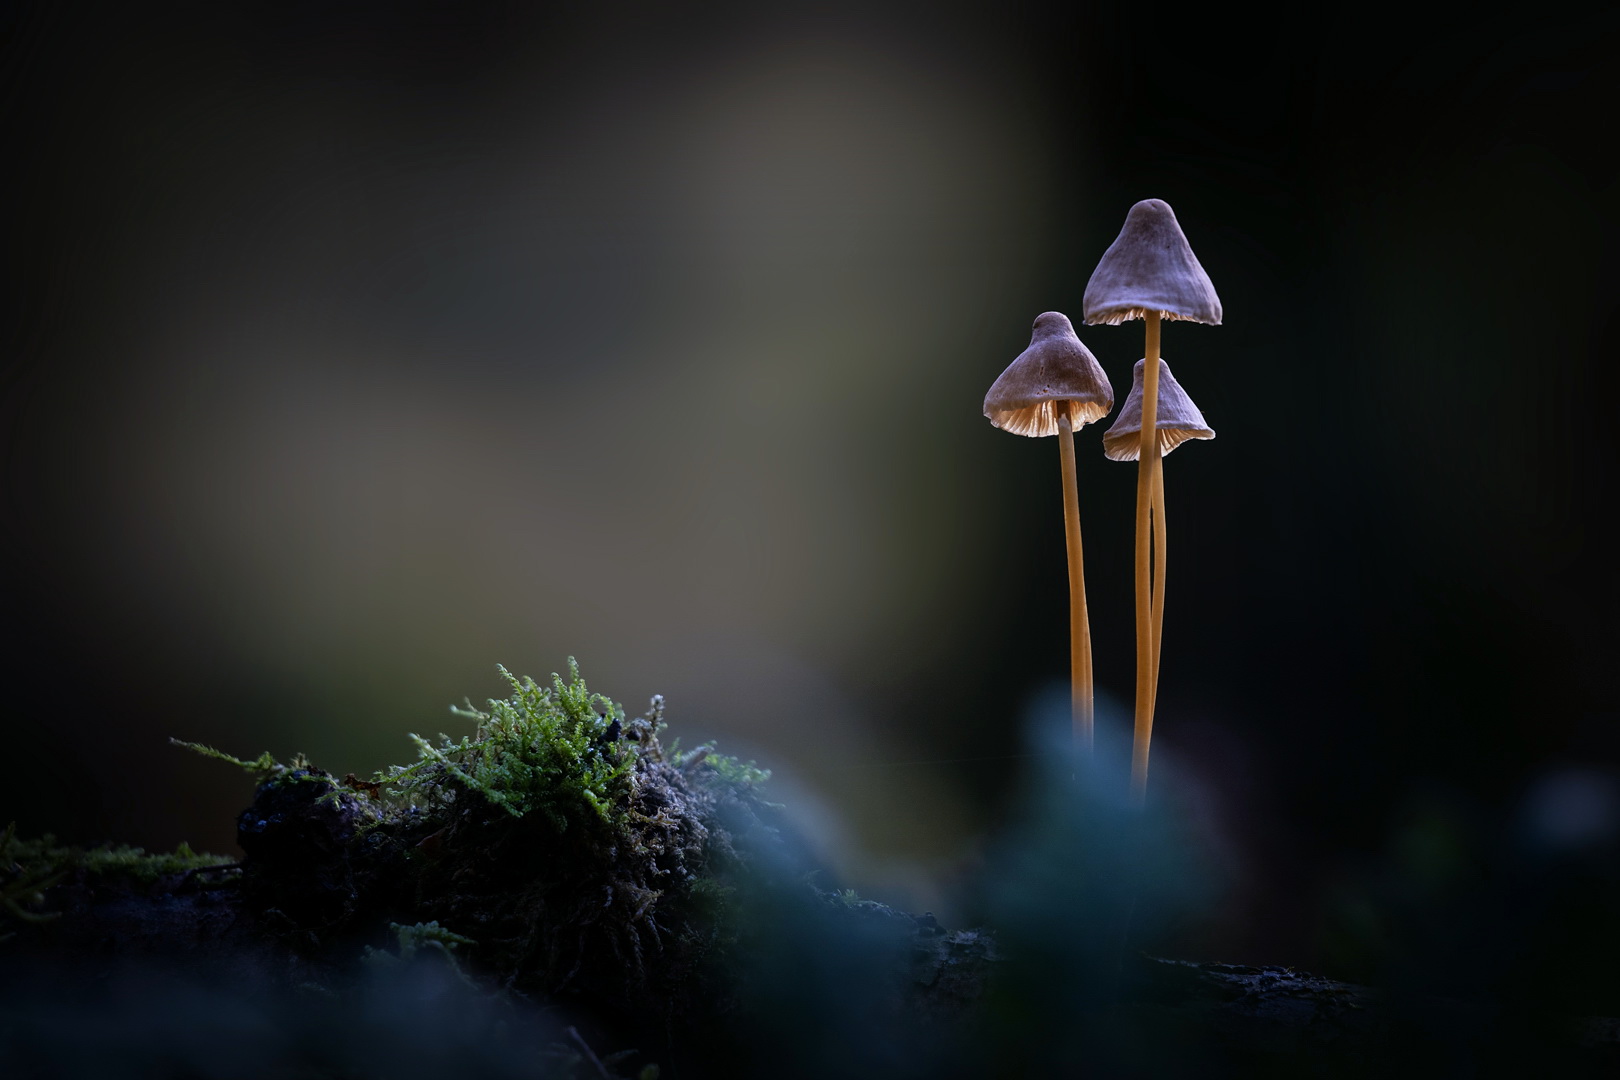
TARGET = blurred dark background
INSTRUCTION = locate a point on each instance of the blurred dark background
(356, 348)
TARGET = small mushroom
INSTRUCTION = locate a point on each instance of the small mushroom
(1178, 421)
(1178, 418)
(1056, 387)
(1148, 273)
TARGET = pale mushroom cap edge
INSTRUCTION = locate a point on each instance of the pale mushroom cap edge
(1178, 419)
(1056, 374)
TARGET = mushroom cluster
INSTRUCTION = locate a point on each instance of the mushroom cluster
(1150, 273)
(1056, 386)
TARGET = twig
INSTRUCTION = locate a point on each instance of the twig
(601, 1070)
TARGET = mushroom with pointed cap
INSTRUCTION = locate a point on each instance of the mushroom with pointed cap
(1178, 421)
(1178, 418)
(1056, 387)
(1150, 269)
(1148, 273)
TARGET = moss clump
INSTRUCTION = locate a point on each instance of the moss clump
(560, 836)
(555, 750)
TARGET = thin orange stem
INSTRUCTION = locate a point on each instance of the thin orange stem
(1160, 546)
(1147, 461)
(1079, 625)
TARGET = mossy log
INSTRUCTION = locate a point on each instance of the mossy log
(559, 895)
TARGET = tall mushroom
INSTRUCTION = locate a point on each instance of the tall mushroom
(1148, 273)
(1056, 387)
(1178, 420)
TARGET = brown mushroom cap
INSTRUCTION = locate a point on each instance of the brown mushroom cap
(1055, 373)
(1150, 267)
(1177, 421)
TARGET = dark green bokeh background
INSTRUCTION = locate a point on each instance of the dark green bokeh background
(355, 350)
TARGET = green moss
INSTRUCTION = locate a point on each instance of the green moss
(29, 868)
(262, 768)
(585, 854)
(554, 750)
(414, 939)
(45, 857)
(559, 750)
(735, 771)
(148, 868)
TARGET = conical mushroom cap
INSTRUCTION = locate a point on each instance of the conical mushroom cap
(1150, 267)
(1177, 420)
(1055, 373)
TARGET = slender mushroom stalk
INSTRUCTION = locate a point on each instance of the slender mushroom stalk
(1149, 273)
(1082, 693)
(1147, 668)
(1161, 544)
(1178, 420)
(1056, 387)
